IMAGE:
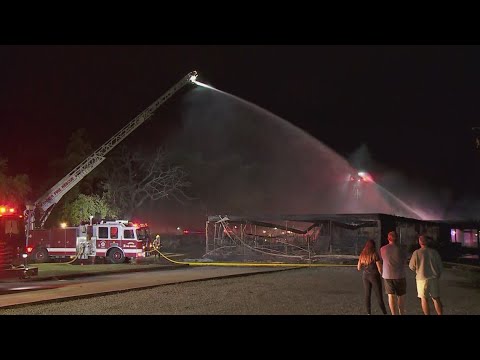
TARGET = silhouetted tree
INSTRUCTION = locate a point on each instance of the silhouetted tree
(133, 178)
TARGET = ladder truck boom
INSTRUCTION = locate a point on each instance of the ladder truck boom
(48, 200)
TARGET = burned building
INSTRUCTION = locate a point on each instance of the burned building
(309, 237)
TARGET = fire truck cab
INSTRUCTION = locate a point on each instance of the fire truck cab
(12, 233)
(12, 242)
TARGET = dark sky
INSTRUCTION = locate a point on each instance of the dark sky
(412, 106)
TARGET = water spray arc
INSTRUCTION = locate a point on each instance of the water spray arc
(293, 173)
(366, 196)
(362, 180)
(193, 79)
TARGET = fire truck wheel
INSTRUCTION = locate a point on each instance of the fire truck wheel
(40, 255)
(115, 256)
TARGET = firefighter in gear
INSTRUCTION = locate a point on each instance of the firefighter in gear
(156, 245)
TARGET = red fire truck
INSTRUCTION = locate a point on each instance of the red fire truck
(114, 240)
(12, 242)
(12, 233)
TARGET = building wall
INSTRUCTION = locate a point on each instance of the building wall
(351, 241)
(337, 236)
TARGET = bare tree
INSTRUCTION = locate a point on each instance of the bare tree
(133, 177)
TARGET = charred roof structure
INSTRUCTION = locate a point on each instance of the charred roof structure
(315, 237)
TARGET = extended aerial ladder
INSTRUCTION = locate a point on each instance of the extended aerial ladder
(44, 205)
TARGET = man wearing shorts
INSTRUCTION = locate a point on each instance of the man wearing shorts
(394, 260)
(427, 264)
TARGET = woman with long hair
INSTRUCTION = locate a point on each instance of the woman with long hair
(370, 263)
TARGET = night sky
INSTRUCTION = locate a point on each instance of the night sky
(413, 107)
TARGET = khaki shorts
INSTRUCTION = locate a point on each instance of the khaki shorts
(428, 288)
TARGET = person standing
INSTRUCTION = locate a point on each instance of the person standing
(394, 260)
(156, 246)
(427, 264)
(369, 262)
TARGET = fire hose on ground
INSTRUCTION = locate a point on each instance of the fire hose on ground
(193, 263)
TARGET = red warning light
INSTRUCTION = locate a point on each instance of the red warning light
(6, 210)
(29, 249)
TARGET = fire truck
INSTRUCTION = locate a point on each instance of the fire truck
(114, 240)
(12, 241)
(12, 236)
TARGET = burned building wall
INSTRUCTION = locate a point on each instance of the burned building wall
(300, 237)
(350, 241)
